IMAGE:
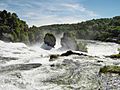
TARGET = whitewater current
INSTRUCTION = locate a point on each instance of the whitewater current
(25, 67)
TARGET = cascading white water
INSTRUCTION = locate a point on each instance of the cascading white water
(102, 48)
(58, 41)
(21, 69)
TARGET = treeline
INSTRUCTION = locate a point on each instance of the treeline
(15, 30)
(12, 28)
(105, 29)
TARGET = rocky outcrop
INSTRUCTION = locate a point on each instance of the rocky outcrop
(53, 57)
(68, 42)
(82, 47)
(117, 56)
(50, 40)
(68, 53)
(110, 69)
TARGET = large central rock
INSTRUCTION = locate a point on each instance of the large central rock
(49, 41)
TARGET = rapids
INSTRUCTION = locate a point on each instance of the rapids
(28, 68)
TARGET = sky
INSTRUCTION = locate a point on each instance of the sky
(47, 12)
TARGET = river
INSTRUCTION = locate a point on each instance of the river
(28, 68)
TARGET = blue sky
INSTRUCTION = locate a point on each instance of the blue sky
(45, 12)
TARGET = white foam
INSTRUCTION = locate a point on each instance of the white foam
(34, 54)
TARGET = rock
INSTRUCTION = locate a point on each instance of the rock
(110, 69)
(112, 40)
(68, 53)
(52, 65)
(52, 57)
(68, 42)
(46, 47)
(99, 61)
(114, 56)
(50, 40)
(82, 47)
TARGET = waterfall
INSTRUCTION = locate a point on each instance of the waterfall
(25, 67)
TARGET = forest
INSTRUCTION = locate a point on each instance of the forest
(13, 29)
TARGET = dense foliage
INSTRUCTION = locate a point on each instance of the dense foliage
(12, 28)
(16, 30)
(106, 29)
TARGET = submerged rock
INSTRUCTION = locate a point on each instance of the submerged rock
(46, 47)
(114, 56)
(52, 57)
(20, 67)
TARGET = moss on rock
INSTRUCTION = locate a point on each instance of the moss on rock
(110, 69)
(115, 56)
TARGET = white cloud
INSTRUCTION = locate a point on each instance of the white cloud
(42, 12)
(91, 13)
(54, 19)
(29, 15)
(71, 6)
(53, 15)
(79, 7)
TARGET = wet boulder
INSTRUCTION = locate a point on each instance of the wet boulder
(68, 53)
(53, 57)
(50, 40)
